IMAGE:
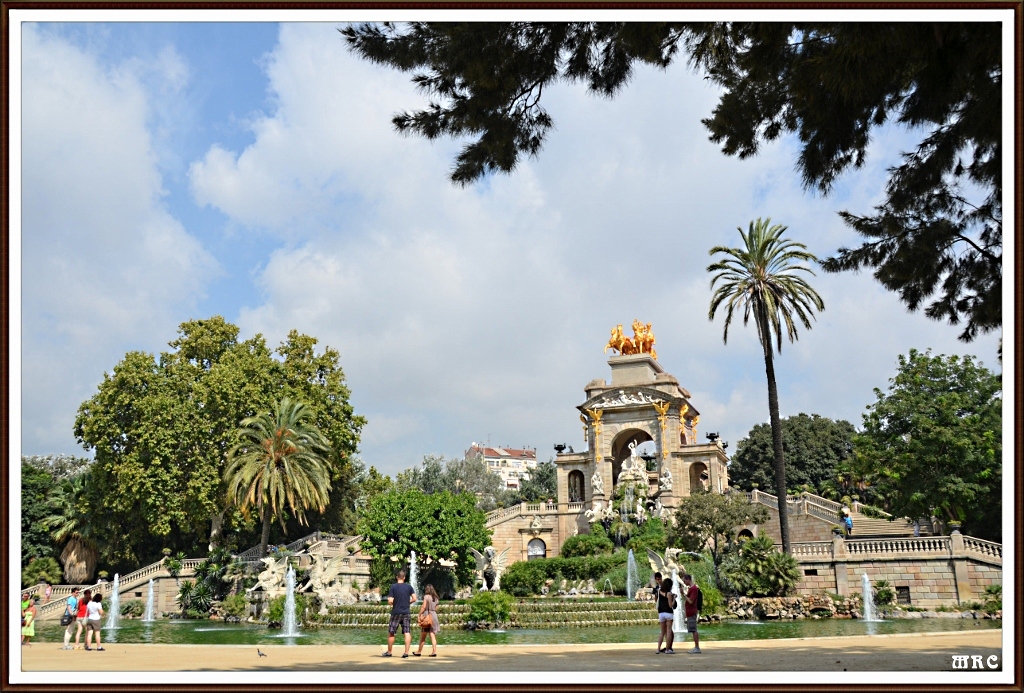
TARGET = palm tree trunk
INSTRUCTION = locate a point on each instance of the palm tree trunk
(216, 529)
(265, 537)
(780, 460)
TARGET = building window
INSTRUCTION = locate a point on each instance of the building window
(536, 549)
(903, 595)
(576, 486)
(811, 571)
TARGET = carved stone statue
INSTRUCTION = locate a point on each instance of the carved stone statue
(322, 573)
(271, 579)
(641, 512)
(597, 484)
(536, 524)
(489, 566)
(665, 564)
(665, 480)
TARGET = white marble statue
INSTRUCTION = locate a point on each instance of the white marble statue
(596, 513)
(597, 484)
(665, 480)
(641, 512)
(665, 564)
(489, 566)
(322, 573)
(271, 579)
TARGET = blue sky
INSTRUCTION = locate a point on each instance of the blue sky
(176, 171)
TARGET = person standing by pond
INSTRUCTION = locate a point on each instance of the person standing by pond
(429, 625)
(691, 607)
(83, 605)
(28, 621)
(401, 597)
(94, 611)
(666, 609)
(70, 616)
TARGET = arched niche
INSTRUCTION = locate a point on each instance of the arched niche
(536, 549)
(620, 448)
(577, 493)
(700, 478)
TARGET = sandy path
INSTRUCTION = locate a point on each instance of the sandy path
(904, 652)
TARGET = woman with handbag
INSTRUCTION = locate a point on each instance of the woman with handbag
(427, 620)
(82, 607)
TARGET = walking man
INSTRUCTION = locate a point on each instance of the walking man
(401, 597)
(71, 609)
(691, 608)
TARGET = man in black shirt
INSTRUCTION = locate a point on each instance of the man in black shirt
(401, 596)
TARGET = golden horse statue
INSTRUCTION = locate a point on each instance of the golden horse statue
(642, 342)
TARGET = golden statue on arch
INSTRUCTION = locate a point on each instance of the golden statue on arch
(641, 343)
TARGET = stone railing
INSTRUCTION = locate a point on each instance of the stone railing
(500, 514)
(810, 549)
(903, 546)
(985, 548)
(575, 507)
(253, 554)
(815, 510)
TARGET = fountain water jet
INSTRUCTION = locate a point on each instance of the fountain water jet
(148, 616)
(632, 577)
(414, 575)
(868, 598)
(115, 605)
(678, 615)
(288, 622)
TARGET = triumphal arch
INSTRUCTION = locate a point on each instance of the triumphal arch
(641, 403)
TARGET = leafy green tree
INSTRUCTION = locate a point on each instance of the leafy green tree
(60, 467)
(542, 484)
(457, 475)
(938, 229)
(371, 483)
(162, 427)
(761, 279)
(759, 570)
(279, 462)
(934, 441)
(36, 488)
(40, 570)
(587, 545)
(707, 521)
(814, 447)
(438, 526)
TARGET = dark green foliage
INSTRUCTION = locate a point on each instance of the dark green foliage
(382, 572)
(527, 577)
(586, 545)
(542, 484)
(214, 571)
(36, 487)
(133, 608)
(993, 598)
(236, 605)
(703, 572)
(883, 593)
(758, 569)
(41, 570)
(830, 84)
(617, 576)
(933, 443)
(275, 611)
(194, 597)
(161, 428)
(814, 447)
(492, 607)
(442, 578)
(436, 526)
(709, 521)
(650, 535)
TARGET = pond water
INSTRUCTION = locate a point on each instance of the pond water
(218, 633)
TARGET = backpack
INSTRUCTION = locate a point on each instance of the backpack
(700, 600)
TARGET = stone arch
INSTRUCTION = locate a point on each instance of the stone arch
(577, 494)
(744, 535)
(620, 448)
(700, 477)
(536, 548)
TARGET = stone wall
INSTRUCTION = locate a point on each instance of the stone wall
(802, 528)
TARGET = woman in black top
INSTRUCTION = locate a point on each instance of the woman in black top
(666, 609)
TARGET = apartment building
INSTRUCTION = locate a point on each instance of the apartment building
(511, 464)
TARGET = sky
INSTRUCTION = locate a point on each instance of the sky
(175, 171)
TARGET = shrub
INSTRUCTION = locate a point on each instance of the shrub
(993, 599)
(617, 576)
(524, 578)
(650, 535)
(194, 596)
(883, 593)
(382, 572)
(587, 545)
(493, 607)
(758, 570)
(133, 607)
(236, 605)
(275, 612)
(39, 570)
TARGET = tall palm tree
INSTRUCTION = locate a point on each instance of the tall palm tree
(761, 278)
(280, 461)
(69, 525)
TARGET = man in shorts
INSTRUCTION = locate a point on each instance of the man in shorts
(691, 611)
(401, 597)
(72, 608)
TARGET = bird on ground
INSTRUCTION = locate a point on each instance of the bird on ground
(260, 653)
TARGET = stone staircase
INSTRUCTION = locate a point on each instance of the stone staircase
(829, 511)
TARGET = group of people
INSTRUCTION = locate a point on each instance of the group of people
(665, 600)
(401, 597)
(82, 613)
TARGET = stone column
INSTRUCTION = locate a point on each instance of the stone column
(960, 574)
(839, 565)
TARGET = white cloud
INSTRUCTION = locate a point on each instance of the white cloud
(463, 313)
(104, 265)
